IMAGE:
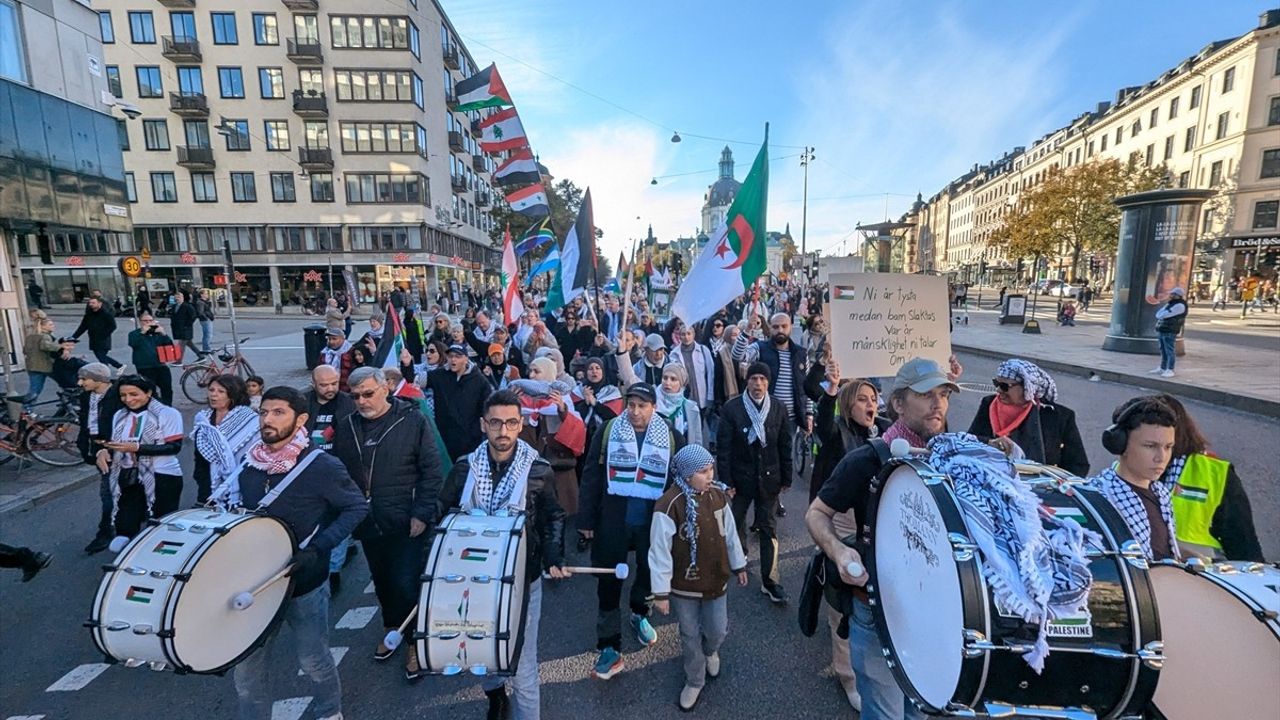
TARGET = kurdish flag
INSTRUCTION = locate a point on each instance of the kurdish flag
(530, 201)
(735, 254)
(482, 90)
(519, 169)
(502, 131)
(512, 305)
(392, 342)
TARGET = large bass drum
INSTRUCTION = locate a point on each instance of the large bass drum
(167, 599)
(954, 652)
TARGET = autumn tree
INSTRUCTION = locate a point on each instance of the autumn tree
(565, 199)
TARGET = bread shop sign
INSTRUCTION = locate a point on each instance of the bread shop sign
(1251, 242)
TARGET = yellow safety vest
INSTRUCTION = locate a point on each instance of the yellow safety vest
(1196, 498)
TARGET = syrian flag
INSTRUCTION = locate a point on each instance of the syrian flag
(502, 131)
(482, 90)
(536, 236)
(549, 263)
(388, 354)
(530, 201)
(519, 169)
(512, 305)
(735, 255)
(577, 258)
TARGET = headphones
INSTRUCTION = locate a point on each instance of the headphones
(1116, 437)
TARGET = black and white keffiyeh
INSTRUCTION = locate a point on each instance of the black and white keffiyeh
(224, 445)
(1129, 505)
(636, 470)
(510, 491)
(688, 461)
(758, 416)
(1038, 386)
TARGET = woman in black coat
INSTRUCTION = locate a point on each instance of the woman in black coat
(846, 420)
(1025, 411)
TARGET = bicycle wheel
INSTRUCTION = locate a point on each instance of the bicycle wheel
(801, 453)
(53, 441)
(243, 369)
(195, 384)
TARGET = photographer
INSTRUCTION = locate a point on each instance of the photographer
(146, 341)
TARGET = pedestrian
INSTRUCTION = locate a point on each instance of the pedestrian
(388, 447)
(505, 474)
(440, 330)
(680, 411)
(458, 391)
(142, 456)
(336, 353)
(335, 318)
(320, 504)
(39, 349)
(99, 323)
(182, 325)
(96, 407)
(692, 555)
(753, 457)
(648, 368)
(36, 294)
(596, 399)
(205, 314)
(327, 408)
(1067, 314)
(700, 366)
(30, 561)
(221, 434)
(787, 364)
(553, 427)
(627, 470)
(145, 342)
(1170, 319)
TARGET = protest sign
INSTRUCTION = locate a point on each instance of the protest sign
(879, 321)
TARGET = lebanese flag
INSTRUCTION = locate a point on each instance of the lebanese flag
(519, 169)
(482, 90)
(530, 201)
(502, 131)
(512, 305)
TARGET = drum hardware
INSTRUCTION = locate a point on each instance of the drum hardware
(451, 578)
(467, 532)
(134, 663)
(165, 575)
(482, 579)
(117, 626)
(244, 600)
(158, 666)
(491, 533)
(134, 570)
(962, 547)
(998, 710)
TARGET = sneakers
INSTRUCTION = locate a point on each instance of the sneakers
(499, 704)
(608, 664)
(1166, 373)
(713, 665)
(383, 652)
(100, 542)
(412, 670)
(39, 561)
(645, 634)
(1155, 371)
(774, 592)
(689, 697)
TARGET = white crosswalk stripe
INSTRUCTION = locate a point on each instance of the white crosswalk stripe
(337, 653)
(356, 618)
(290, 708)
(368, 588)
(78, 678)
(25, 717)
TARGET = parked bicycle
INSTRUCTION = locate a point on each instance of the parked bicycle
(50, 440)
(197, 375)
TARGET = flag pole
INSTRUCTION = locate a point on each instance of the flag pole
(631, 281)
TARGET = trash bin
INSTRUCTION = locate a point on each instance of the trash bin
(312, 344)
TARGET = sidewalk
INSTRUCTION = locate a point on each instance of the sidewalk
(1230, 361)
(25, 483)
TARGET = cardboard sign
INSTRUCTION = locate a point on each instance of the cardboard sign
(879, 321)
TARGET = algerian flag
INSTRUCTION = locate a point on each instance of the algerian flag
(512, 305)
(735, 254)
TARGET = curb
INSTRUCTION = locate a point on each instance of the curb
(1235, 401)
(58, 491)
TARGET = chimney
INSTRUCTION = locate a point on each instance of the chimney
(1268, 18)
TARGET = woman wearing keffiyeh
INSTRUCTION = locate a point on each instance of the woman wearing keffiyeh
(1025, 411)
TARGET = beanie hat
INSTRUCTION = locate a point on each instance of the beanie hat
(759, 368)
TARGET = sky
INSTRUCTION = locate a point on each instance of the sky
(895, 97)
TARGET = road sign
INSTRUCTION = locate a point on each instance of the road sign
(130, 266)
(146, 253)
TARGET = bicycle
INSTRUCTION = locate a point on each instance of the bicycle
(196, 376)
(804, 451)
(51, 440)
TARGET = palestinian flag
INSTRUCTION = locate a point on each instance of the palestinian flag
(502, 131)
(474, 554)
(388, 354)
(512, 305)
(530, 201)
(735, 255)
(536, 236)
(843, 292)
(1194, 494)
(139, 594)
(485, 89)
(166, 547)
(519, 169)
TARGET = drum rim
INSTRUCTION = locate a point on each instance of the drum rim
(1213, 577)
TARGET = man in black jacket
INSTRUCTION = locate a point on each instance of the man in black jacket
(389, 449)
(753, 457)
(183, 323)
(99, 323)
(506, 473)
(321, 506)
(459, 391)
(97, 406)
(205, 314)
(327, 409)
(786, 361)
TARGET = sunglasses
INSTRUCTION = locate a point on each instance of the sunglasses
(366, 395)
(1003, 386)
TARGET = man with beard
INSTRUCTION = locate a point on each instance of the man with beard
(648, 368)
(787, 366)
(327, 408)
(459, 391)
(100, 324)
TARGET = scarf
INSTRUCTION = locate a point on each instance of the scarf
(1129, 505)
(898, 430)
(639, 472)
(608, 395)
(143, 427)
(275, 462)
(716, 344)
(1006, 418)
(333, 358)
(1037, 572)
(1038, 386)
(224, 445)
(511, 491)
(536, 402)
(1173, 473)
(758, 416)
(671, 406)
(688, 461)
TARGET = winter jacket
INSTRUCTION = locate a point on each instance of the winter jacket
(107, 408)
(837, 441)
(99, 324)
(204, 309)
(459, 404)
(144, 347)
(1048, 435)
(745, 466)
(183, 321)
(720, 551)
(38, 348)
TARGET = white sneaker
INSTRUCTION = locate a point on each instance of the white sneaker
(1166, 373)
(851, 694)
(1155, 371)
(713, 665)
(689, 697)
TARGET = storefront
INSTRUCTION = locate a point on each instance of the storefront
(1244, 256)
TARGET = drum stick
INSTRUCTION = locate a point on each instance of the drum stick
(244, 600)
(620, 571)
(855, 569)
(393, 638)
(900, 448)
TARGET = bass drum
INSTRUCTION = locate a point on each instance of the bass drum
(1222, 631)
(954, 652)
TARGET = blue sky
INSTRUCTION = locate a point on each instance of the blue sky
(896, 97)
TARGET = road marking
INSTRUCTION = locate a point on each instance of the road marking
(25, 717)
(368, 588)
(337, 653)
(289, 709)
(356, 618)
(78, 678)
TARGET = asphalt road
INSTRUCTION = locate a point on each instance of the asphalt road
(770, 670)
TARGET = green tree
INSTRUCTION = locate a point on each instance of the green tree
(565, 199)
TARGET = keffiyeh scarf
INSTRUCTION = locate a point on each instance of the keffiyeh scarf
(688, 461)
(511, 490)
(1037, 572)
(635, 470)
(144, 428)
(672, 407)
(757, 416)
(898, 430)
(224, 445)
(1129, 505)
(1038, 386)
(272, 462)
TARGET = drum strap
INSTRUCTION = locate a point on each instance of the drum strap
(280, 487)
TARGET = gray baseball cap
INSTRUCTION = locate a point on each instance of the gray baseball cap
(922, 375)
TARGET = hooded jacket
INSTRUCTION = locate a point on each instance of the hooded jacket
(459, 404)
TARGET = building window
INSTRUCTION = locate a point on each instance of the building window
(1221, 132)
(282, 187)
(231, 82)
(265, 31)
(1270, 163)
(1273, 115)
(1173, 108)
(164, 189)
(243, 188)
(1103, 146)
(203, 187)
(224, 28)
(237, 135)
(122, 132)
(379, 137)
(311, 82)
(315, 134)
(386, 188)
(1119, 135)
(155, 134)
(142, 29)
(415, 44)
(1137, 128)
(197, 133)
(385, 33)
(1184, 179)
(113, 81)
(1195, 97)
(130, 188)
(277, 134)
(106, 29)
(1215, 174)
(375, 85)
(1155, 117)
(1265, 214)
(321, 187)
(1228, 80)
(417, 93)
(271, 81)
(183, 25)
(1168, 148)
(1189, 143)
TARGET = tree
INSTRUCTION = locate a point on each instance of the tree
(565, 199)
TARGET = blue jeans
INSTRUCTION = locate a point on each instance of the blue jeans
(526, 699)
(338, 557)
(882, 699)
(35, 386)
(206, 332)
(308, 616)
(1167, 355)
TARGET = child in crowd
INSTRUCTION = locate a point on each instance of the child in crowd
(255, 384)
(693, 550)
(1067, 315)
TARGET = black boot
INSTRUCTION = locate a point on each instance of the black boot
(499, 704)
(100, 541)
(335, 583)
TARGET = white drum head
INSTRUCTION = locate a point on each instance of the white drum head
(919, 587)
(1219, 657)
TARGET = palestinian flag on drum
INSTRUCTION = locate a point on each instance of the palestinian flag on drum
(139, 594)
(166, 547)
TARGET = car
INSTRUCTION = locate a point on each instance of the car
(1045, 287)
(1066, 290)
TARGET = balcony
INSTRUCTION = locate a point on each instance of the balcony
(459, 183)
(179, 4)
(479, 163)
(315, 159)
(181, 49)
(194, 105)
(305, 52)
(310, 104)
(451, 100)
(455, 141)
(451, 57)
(483, 199)
(475, 127)
(302, 5)
(196, 158)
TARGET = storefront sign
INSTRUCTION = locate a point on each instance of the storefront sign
(312, 276)
(401, 257)
(115, 210)
(219, 279)
(188, 258)
(1253, 242)
(75, 261)
(241, 277)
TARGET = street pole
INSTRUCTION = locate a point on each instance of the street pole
(805, 158)
(228, 269)
(330, 246)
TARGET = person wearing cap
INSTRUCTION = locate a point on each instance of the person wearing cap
(496, 369)
(693, 551)
(458, 392)
(627, 469)
(97, 406)
(336, 353)
(920, 397)
(753, 458)
(648, 368)
(1169, 321)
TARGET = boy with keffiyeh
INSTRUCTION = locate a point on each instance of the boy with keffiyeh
(693, 549)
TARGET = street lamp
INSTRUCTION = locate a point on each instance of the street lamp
(806, 157)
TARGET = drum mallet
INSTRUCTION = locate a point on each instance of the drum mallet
(244, 600)
(620, 571)
(900, 448)
(393, 638)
